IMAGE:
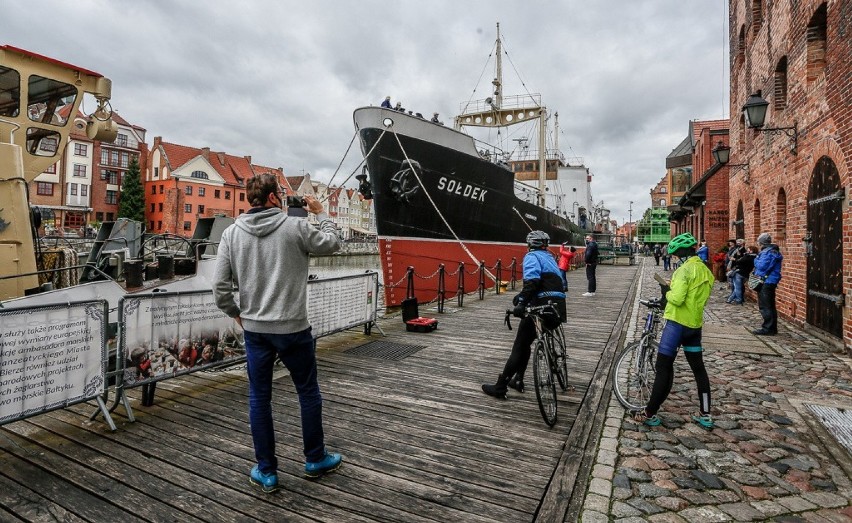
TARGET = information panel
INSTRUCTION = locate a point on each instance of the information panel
(167, 334)
(337, 304)
(51, 357)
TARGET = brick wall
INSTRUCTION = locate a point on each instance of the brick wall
(775, 197)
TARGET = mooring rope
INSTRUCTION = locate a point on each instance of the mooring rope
(522, 218)
(440, 215)
(355, 170)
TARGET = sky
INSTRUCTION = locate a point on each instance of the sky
(278, 80)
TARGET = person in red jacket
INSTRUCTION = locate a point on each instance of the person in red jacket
(565, 257)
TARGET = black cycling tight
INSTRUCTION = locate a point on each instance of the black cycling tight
(665, 379)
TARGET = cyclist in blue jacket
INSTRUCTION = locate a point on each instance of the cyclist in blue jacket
(542, 283)
(767, 267)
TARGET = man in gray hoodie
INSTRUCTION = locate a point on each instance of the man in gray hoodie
(264, 254)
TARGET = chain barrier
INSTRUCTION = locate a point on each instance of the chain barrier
(498, 268)
(430, 276)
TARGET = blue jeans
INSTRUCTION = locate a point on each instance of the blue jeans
(738, 280)
(298, 353)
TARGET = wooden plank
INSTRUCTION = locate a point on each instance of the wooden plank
(420, 439)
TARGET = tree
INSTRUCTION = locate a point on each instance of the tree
(132, 202)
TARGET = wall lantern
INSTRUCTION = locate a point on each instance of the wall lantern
(754, 112)
(722, 155)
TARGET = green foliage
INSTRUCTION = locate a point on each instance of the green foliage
(132, 201)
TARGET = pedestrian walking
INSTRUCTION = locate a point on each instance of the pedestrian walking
(667, 258)
(591, 258)
(767, 267)
(265, 254)
(690, 289)
(703, 252)
(658, 252)
(542, 284)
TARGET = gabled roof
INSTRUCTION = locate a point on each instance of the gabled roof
(295, 181)
(233, 169)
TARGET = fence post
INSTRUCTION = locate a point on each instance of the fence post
(514, 272)
(409, 289)
(482, 279)
(442, 291)
(499, 271)
(460, 288)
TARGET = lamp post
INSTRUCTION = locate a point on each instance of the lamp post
(754, 112)
(630, 220)
(722, 155)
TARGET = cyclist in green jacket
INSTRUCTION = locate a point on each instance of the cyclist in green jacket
(690, 289)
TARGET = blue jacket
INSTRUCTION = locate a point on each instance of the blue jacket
(542, 277)
(767, 265)
(703, 253)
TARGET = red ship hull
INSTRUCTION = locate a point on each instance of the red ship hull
(426, 256)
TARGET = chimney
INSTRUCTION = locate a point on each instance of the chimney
(206, 153)
(248, 158)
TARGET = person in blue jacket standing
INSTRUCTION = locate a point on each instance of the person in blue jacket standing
(542, 284)
(767, 267)
(703, 252)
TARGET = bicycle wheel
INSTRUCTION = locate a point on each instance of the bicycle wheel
(560, 357)
(634, 372)
(545, 388)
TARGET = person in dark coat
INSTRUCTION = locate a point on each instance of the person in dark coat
(591, 259)
(387, 103)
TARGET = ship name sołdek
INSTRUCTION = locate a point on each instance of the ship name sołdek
(462, 189)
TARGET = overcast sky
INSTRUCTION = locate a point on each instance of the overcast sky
(278, 79)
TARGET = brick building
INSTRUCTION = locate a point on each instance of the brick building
(84, 185)
(183, 184)
(703, 208)
(796, 56)
(110, 162)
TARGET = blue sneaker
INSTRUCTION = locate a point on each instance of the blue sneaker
(267, 482)
(705, 421)
(330, 463)
(640, 416)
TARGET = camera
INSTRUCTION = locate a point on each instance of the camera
(294, 201)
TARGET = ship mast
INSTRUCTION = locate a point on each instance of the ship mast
(491, 112)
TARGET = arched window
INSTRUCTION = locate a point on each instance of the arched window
(741, 44)
(199, 174)
(739, 224)
(664, 190)
(756, 218)
(816, 41)
(756, 15)
(663, 202)
(780, 91)
(781, 216)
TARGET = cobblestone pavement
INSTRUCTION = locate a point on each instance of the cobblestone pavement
(767, 458)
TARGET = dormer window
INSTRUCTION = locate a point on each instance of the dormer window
(200, 174)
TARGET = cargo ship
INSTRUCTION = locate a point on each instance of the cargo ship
(441, 199)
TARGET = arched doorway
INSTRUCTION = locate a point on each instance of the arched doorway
(825, 260)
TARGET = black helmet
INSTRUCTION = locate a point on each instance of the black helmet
(537, 240)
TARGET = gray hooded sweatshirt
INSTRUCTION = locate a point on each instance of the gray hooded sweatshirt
(265, 255)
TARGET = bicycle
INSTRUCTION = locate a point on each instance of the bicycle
(633, 374)
(549, 359)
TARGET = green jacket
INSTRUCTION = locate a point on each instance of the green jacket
(690, 290)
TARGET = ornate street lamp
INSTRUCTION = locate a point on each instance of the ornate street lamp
(754, 112)
(722, 155)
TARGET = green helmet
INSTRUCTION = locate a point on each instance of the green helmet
(681, 241)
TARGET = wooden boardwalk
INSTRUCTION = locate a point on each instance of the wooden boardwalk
(420, 441)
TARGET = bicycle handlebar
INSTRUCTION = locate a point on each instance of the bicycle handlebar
(653, 303)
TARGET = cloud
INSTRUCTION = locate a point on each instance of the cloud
(278, 80)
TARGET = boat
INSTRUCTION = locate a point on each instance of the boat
(441, 200)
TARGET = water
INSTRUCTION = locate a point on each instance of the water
(347, 264)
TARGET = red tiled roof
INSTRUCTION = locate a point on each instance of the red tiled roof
(295, 181)
(233, 169)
